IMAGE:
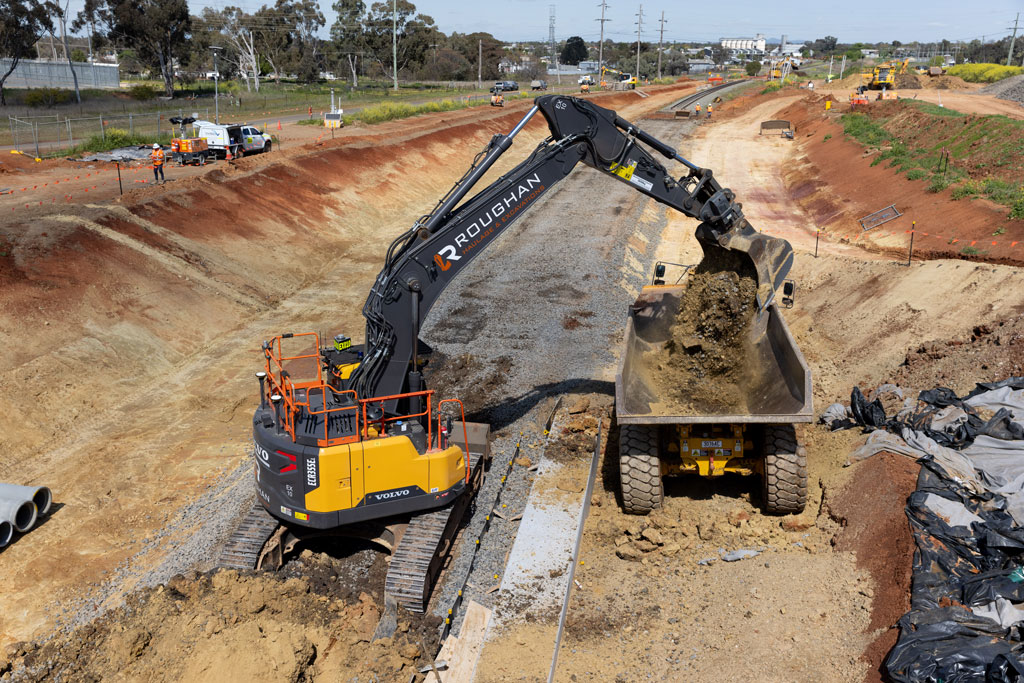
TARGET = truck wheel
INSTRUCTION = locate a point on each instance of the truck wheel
(785, 471)
(640, 468)
(266, 147)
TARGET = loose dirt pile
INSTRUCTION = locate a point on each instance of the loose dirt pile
(908, 82)
(945, 83)
(227, 626)
(705, 361)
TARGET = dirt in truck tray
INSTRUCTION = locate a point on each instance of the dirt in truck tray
(705, 365)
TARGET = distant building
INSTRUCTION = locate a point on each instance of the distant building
(869, 53)
(698, 66)
(746, 45)
(787, 49)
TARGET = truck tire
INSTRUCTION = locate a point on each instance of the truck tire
(640, 468)
(785, 471)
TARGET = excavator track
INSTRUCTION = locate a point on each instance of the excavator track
(424, 547)
(416, 560)
(242, 551)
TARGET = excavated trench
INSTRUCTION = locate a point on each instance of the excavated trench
(133, 328)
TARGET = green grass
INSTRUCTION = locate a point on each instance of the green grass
(1017, 211)
(861, 128)
(970, 251)
(114, 138)
(828, 136)
(992, 145)
(935, 110)
(965, 191)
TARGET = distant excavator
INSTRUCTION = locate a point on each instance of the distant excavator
(347, 437)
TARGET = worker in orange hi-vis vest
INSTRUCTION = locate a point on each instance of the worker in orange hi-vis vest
(696, 109)
(158, 163)
(710, 109)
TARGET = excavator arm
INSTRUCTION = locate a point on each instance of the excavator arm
(423, 261)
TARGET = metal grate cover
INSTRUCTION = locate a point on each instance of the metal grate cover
(873, 220)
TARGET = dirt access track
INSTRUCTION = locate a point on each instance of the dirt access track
(134, 330)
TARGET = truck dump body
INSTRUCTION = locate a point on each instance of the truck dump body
(778, 392)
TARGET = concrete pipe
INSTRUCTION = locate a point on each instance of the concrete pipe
(21, 514)
(40, 495)
(6, 532)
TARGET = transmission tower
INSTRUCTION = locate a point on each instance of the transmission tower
(551, 32)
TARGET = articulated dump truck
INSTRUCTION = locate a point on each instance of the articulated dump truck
(752, 436)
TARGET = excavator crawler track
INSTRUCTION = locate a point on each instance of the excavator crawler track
(416, 560)
(242, 551)
(421, 553)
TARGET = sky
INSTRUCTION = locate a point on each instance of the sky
(861, 21)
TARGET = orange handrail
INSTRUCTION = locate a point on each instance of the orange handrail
(384, 420)
(465, 432)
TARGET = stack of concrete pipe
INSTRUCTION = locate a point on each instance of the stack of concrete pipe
(20, 509)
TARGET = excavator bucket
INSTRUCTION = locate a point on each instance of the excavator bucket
(770, 257)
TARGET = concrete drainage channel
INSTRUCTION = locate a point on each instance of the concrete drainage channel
(21, 509)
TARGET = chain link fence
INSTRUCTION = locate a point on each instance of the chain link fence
(50, 135)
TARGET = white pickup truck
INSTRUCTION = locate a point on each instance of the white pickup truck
(239, 139)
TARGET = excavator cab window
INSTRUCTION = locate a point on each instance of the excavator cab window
(659, 274)
(788, 292)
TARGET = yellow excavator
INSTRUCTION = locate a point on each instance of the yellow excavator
(347, 438)
(623, 80)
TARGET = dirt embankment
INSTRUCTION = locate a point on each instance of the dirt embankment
(836, 181)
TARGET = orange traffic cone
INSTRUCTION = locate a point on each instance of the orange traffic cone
(279, 124)
(227, 155)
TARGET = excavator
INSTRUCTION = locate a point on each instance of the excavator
(348, 440)
(623, 80)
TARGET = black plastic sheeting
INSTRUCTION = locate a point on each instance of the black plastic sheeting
(872, 416)
(960, 563)
(956, 568)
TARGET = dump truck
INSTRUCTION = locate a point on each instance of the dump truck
(754, 435)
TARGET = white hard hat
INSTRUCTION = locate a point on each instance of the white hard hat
(156, 145)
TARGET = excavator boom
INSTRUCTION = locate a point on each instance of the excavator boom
(421, 262)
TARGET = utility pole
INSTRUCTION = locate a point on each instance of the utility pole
(216, 86)
(1009, 57)
(639, 28)
(394, 41)
(479, 63)
(660, 41)
(600, 46)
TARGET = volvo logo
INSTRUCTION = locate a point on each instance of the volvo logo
(392, 494)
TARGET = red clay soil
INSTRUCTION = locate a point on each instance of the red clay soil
(836, 184)
(874, 527)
